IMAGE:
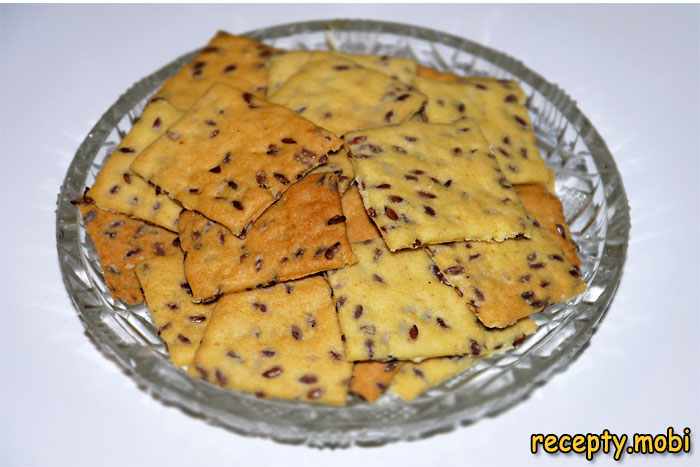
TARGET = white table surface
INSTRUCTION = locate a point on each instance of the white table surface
(635, 72)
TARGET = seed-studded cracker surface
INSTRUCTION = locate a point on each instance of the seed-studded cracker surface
(395, 306)
(303, 233)
(546, 208)
(232, 155)
(504, 282)
(117, 189)
(179, 321)
(283, 66)
(371, 379)
(341, 96)
(121, 243)
(339, 164)
(430, 183)
(227, 59)
(358, 224)
(279, 342)
(498, 107)
(413, 379)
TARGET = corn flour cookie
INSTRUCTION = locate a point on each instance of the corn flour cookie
(117, 189)
(394, 306)
(547, 210)
(413, 379)
(371, 379)
(341, 96)
(302, 234)
(429, 183)
(179, 321)
(498, 107)
(227, 59)
(280, 342)
(232, 155)
(358, 224)
(283, 66)
(121, 243)
(504, 282)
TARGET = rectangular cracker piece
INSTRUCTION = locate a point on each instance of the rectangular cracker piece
(227, 59)
(302, 234)
(371, 379)
(394, 306)
(179, 321)
(341, 96)
(358, 224)
(284, 66)
(232, 155)
(413, 379)
(117, 189)
(121, 243)
(498, 107)
(281, 342)
(504, 282)
(546, 208)
(428, 183)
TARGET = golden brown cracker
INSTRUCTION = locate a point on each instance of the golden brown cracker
(280, 342)
(232, 155)
(303, 233)
(227, 59)
(179, 321)
(117, 189)
(121, 243)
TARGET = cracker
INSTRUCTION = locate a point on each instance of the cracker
(281, 342)
(284, 66)
(547, 210)
(342, 96)
(117, 189)
(227, 59)
(339, 164)
(121, 243)
(358, 224)
(179, 321)
(232, 155)
(301, 234)
(395, 306)
(504, 282)
(498, 107)
(428, 183)
(413, 379)
(370, 379)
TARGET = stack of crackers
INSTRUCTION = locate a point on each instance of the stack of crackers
(302, 225)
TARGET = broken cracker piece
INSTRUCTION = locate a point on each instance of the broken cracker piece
(117, 189)
(278, 342)
(504, 282)
(232, 155)
(121, 243)
(302, 234)
(429, 183)
(179, 321)
(227, 59)
(341, 96)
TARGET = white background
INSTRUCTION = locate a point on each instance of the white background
(635, 72)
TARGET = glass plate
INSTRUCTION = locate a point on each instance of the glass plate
(588, 183)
